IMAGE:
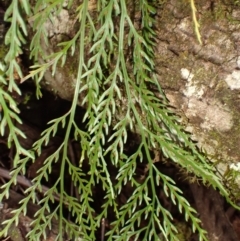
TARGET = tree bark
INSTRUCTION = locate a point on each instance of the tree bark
(209, 205)
(201, 81)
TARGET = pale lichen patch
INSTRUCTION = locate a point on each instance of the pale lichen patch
(59, 24)
(238, 62)
(191, 88)
(213, 115)
(235, 166)
(233, 80)
(186, 75)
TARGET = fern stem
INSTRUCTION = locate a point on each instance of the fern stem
(73, 109)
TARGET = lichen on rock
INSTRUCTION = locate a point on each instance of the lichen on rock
(203, 81)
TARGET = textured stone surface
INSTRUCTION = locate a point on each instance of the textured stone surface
(203, 81)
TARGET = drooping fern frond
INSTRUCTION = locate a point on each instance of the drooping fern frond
(14, 39)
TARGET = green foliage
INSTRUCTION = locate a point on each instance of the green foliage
(118, 99)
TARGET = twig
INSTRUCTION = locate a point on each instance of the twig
(22, 180)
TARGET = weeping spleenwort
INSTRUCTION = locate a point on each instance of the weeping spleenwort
(118, 99)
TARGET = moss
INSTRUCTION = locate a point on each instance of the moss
(231, 139)
(15, 233)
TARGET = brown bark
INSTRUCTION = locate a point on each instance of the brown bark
(210, 206)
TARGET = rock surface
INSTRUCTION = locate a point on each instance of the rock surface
(203, 81)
